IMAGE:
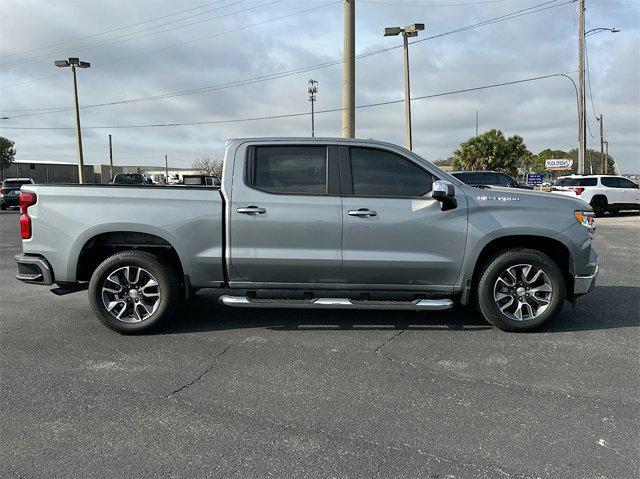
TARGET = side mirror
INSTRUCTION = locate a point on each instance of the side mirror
(444, 192)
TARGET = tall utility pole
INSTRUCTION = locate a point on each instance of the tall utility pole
(604, 163)
(313, 89)
(166, 170)
(73, 63)
(582, 119)
(110, 159)
(349, 70)
(476, 122)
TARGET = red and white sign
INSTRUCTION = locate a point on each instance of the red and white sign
(558, 164)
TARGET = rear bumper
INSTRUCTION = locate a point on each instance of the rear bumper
(10, 200)
(34, 269)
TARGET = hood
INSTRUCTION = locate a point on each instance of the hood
(525, 198)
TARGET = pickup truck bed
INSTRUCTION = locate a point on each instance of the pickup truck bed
(186, 219)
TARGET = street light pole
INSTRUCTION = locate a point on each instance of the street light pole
(73, 63)
(407, 94)
(78, 131)
(408, 31)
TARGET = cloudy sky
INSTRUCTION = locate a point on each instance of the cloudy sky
(252, 58)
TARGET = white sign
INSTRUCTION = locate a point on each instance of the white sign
(558, 163)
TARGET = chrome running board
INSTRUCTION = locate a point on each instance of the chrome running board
(336, 303)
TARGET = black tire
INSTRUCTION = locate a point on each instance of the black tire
(497, 266)
(3, 207)
(599, 206)
(153, 266)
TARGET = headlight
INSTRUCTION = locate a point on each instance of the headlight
(586, 219)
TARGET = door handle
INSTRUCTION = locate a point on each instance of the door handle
(252, 210)
(363, 213)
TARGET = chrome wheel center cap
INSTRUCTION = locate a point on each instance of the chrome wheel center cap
(133, 294)
(521, 291)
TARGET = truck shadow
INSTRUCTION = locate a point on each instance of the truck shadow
(608, 307)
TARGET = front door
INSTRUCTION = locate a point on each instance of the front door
(631, 192)
(285, 215)
(395, 234)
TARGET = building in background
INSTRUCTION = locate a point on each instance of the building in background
(46, 171)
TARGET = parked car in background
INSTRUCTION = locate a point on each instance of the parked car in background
(605, 193)
(10, 191)
(489, 179)
(312, 223)
(129, 179)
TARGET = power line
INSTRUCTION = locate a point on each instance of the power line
(430, 5)
(518, 13)
(124, 27)
(115, 40)
(175, 45)
(292, 115)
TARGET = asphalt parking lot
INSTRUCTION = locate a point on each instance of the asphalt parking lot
(294, 393)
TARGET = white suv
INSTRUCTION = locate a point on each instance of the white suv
(603, 192)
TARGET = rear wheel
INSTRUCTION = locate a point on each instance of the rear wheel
(599, 206)
(3, 207)
(521, 290)
(133, 292)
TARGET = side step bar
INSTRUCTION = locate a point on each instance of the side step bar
(336, 303)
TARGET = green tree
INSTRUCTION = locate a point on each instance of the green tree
(492, 151)
(593, 161)
(7, 153)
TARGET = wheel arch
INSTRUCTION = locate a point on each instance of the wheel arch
(93, 248)
(558, 251)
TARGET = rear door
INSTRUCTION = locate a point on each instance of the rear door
(615, 194)
(285, 214)
(395, 234)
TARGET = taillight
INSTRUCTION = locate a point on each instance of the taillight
(26, 200)
(3, 191)
(578, 191)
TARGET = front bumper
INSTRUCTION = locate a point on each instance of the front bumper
(584, 284)
(34, 269)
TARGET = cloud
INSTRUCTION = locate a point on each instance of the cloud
(542, 112)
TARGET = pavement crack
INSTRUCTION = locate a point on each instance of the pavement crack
(202, 374)
(386, 343)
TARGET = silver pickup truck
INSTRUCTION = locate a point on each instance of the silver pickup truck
(311, 223)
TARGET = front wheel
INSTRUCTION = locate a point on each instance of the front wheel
(521, 290)
(133, 292)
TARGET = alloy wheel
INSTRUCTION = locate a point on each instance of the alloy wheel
(131, 294)
(523, 292)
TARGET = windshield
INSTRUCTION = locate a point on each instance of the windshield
(479, 178)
